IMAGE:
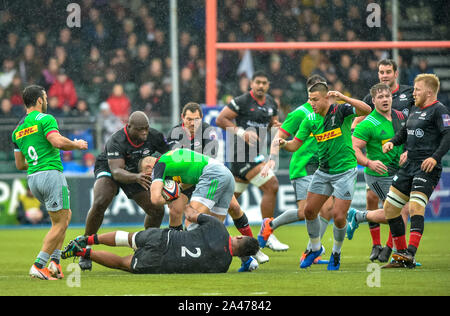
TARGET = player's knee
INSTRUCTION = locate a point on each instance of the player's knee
(270, 187)
(394, 203)
(235, 210)
(417, 203)
(372, 200)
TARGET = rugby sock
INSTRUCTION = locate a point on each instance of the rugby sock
(397, 227)
(323, 229)
(416, 232)
(361, 216)
(56, 256)
(323, 226)
(389, 242)
(375, 233)
(313, 228)
(85, 253)
(339, 236)
(287, 217)
(42, 259)
(92, 240)
(242, 225)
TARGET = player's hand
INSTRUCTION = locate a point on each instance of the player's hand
(428, 164)
(276, 124)
(388, 147)
(282, 142)
(336, 94)
(377, 166)
(403, 158)
(145, 180)
(269, 165)
(81, 144)
(251, 138)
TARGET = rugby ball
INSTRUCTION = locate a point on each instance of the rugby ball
(171, 190)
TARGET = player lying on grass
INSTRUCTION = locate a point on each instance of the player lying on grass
(206, 249)
(214, 184)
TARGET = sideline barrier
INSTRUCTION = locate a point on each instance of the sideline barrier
(123, 210)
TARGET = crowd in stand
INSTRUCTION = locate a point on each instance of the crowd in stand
(120, 56)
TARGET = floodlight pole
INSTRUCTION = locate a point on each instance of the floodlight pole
(174, 58)
(395, 29)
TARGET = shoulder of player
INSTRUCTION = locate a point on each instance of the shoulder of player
(398, 114)
(243, 99)
(405, 89)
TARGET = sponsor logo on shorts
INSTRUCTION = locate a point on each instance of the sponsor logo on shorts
(27, 131)
(328, 135)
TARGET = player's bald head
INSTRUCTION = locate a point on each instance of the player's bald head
(138, 119)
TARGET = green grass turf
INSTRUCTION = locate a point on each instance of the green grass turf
(281, 276)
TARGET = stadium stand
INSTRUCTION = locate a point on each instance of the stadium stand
(126, 43)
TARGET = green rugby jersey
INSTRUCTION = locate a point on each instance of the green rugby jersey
(376, 130)
(182, 165)
(307, 153)
(30, 137)
(333, 136)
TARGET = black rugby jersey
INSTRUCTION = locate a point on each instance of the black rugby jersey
(206, 249)
(254, 116)
(402, 99)
(205, 140)
(120, 146)
(426, 133)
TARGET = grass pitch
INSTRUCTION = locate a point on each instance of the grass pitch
(281, 276)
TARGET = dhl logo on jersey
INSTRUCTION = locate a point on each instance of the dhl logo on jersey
(27, 131)
(328, 135)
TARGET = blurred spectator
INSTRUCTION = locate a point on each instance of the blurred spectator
(12, 48)
(145, 100)
(154, 73)
(119, 103)
(132, 45)
(94, 66)
(6, 109)
(81, 109)
(14, 91)
(140, 62)
(89, 163)
(53, 107)
(49, 74)
(420, 68)
(7, 73)
(42, 51)
(121, 65)
(159, 46)
(309, 62)
(29, 65)
(108, 122)
(30, 211)
(108, 84)
(356, 87)
(64, 89)
(70, 165)
(189, 86)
